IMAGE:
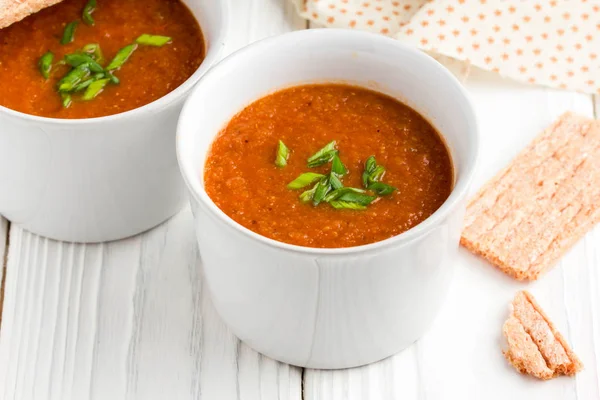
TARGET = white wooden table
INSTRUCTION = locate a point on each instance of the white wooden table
(132, 319)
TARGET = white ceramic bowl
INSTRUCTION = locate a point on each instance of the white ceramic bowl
(327, 308)
(99, 179)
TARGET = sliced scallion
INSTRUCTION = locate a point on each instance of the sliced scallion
(86, 15)
(66, 99)
(304, 180)
(77, 59)
(45, 64)
(283, 153)
(335, 181)
(337, 193)
(338, 204)
(321, 190)
(152, 40)
(121, 57)
(94, 50)
(95, 88)
(308, 195)
(382, 189)
(337, 166)
(73, 78)
(69, 33)
(357, 197)
(323, 156)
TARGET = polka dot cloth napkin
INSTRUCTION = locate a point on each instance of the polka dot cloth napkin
(551, 43)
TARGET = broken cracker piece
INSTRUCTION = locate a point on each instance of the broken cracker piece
(12, 11)
(533, 211)
(535, 347)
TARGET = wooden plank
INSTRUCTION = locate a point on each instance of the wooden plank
(461, 357)
(124, 319)
(132, 319)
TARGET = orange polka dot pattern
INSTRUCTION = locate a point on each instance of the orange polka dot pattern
(544, 42)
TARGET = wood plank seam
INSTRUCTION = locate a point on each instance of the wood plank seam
(4, 264)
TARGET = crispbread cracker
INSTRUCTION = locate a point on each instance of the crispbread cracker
(534, 210)
(12, 11)
(535, 347)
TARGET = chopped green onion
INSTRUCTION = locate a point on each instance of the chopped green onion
(73, 78)
(113, 79)
(382, 189)
(87, 12)
(321, 190)
(121, 57)
(372, 172)
(335, 182)
(283, 153)
(322, 159)
(66, 99)
(337, 166)
(93, 49)
(83, 85)
(338, 204)
(69, 33)
(94, 89)
(327, 148)
(45, 64)
(304, 180)
(308, 195)
(377, 174)
(357, 197)
(370, 165)
(152, 40)
(76, 59)
(337, 193)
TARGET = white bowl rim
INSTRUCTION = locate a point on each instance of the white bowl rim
(212, 54)
(458, 192)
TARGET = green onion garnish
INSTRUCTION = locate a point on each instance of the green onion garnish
(93, 49)
(69, 33)
(357, 197)
(321, 190)
(337, 193)
(338, 204)
(382, 189)
(304, 180)
(73, 78)
(76, 59)
(372, 172)
(323, 156)
(152, 40)
(113, 79)
(283, 153)
(370, 165)
(308, 195)
(121, 57)
(335, 181)
(45, 64)
(83, 85)
(337, 166)
(89, 8)
(377, 174)
(94, 89)
(66, 99)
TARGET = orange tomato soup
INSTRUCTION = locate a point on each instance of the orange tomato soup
(242, 179)
(149, 73)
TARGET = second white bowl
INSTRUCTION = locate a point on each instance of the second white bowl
(327, 308)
